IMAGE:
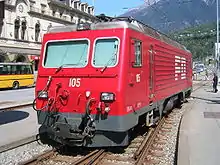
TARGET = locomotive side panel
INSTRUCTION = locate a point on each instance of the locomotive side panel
(171, 70)
(164, 72)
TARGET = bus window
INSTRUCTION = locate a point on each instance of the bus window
(23, 69)
(5, 70)
(30, 68)
(18, 69)
(27, 69)
(13, 69)
(1, 70)
(8, 69)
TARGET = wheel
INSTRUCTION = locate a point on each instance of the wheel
(15, 85)
(188, 94)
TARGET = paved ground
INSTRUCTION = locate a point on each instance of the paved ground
(10, 97)
(199, 142)
(20, 124)
(17, 125)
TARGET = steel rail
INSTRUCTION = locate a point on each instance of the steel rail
(148, 143)
(38, 158)
(91, 158)
(13, 107)
(199, 85)
(143, 150)
(19, 143)
(143, 144)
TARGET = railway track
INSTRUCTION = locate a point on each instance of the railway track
(50, 157)
(199, 85)
(14, 107)
(154, 147)
(92, 158)
(135, 153)
(19, 143)
(145, 148)
(147, 143)
(36, 159)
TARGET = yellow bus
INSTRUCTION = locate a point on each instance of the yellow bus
(15, 75)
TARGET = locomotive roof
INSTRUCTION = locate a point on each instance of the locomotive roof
(122, 22)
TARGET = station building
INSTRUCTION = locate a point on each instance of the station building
(24, 22)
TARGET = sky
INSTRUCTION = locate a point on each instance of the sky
(113, 7)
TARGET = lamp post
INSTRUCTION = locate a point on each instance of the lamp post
(93, 4)
(217, 52)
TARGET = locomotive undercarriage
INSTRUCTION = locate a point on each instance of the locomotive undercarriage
(163, 107)
(67, 129)
(101, 131)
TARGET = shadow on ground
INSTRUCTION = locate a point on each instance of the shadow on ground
(211, 101)
(12, 116)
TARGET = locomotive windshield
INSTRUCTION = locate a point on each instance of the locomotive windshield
(73, 53)
(106, 52)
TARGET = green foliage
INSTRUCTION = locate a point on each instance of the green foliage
(199, 40)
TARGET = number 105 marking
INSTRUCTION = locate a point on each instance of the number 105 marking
(74, 82)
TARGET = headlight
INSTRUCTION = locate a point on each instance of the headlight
(106, 96)
(42, 95)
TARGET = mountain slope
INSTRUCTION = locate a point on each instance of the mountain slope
(199, 40)
(173, 15)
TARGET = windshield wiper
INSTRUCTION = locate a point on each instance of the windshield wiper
(113, 57)
(108, 63)
(61, 66)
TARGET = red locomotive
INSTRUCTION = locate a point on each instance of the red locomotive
(98, 81)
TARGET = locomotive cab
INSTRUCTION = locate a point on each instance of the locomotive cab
(78, 90)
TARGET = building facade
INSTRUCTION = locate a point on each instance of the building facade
(24, 22)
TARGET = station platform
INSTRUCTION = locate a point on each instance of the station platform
(9, 97)
(199, 136)
(17, 127)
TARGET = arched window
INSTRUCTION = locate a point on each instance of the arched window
(37, 30)
(79, 20)
(23, 28)
(17, 27)
(21, 58)
(2, 13)
(2, 58)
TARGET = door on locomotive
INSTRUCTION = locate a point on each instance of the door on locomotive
(150, 91)
(151, 74)
(136, 78)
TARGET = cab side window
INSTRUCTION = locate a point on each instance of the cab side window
(137, 54)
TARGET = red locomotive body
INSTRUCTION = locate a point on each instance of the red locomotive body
(96, 82)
